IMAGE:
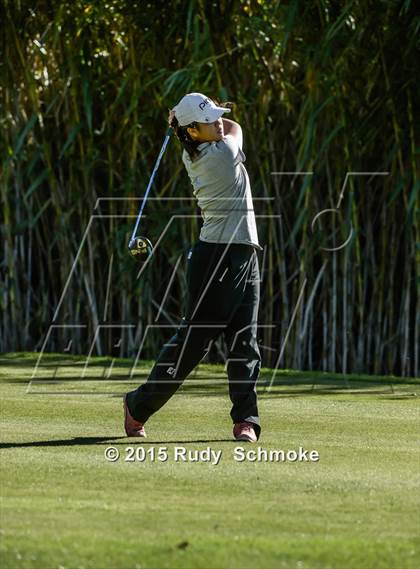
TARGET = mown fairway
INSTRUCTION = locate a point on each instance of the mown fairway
(65, 506)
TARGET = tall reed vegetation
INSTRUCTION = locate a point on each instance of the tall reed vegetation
(325, 93)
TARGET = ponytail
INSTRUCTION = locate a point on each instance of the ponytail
(185, 139)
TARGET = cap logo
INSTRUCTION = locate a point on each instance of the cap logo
(204, 103)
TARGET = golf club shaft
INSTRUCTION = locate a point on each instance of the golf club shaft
(159, 158)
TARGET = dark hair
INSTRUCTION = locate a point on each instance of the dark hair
(184, 138)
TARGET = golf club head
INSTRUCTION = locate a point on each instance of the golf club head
(140, 248)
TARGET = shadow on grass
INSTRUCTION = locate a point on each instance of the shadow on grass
(82, 441)
(61, 361)
(277, 390)
(292, 387)
(30, 359)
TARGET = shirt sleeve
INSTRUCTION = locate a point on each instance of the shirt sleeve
(230, 148)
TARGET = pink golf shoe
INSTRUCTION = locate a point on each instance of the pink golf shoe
(132, 427)
(244, 432)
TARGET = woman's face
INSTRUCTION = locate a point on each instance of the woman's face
(207, 132)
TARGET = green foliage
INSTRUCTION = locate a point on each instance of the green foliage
(323, 87)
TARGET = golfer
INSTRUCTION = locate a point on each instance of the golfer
(222, 273)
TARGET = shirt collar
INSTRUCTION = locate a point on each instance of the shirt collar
(202, 145)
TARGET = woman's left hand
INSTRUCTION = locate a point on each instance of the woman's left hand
(170, 117)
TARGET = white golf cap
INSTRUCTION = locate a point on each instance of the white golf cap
(196, 107)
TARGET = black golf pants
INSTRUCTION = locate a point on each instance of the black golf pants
(223, 297)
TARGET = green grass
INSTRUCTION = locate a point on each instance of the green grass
(64, 505)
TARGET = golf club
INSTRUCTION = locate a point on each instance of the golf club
(141, 247)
